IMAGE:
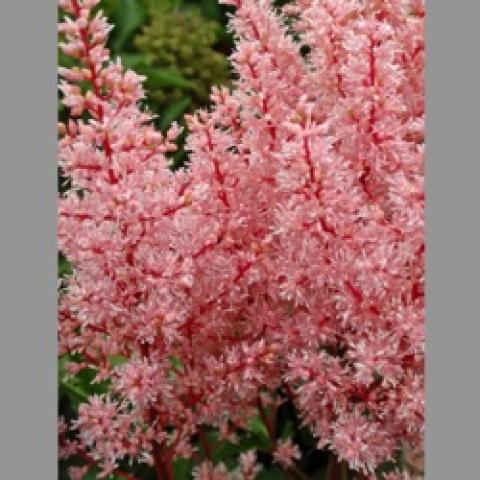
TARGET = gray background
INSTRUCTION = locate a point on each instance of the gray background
(453, 258)
(28, 398)
(28, 109)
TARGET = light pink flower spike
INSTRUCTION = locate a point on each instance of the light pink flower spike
(286, 453)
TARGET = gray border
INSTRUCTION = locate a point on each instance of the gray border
(28, 244)
(453, 175)
(28, 400)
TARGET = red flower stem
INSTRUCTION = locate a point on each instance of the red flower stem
(336, 470)
(205, 444)
(93, 81)
(163, 466)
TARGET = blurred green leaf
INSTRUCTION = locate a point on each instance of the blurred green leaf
(174, 111)
(117, 360)
(306, 438)
(65, 60)
(226, 450)
(212, 9)
(165, 78)
(257, 426)
(64, 266)
(176, 363)
(78, 388)
(133, 61)
(182, 468)
(127, 17)
(73, 390)
(85, 378)
(287, 430)
(273, 473)
(92, 474)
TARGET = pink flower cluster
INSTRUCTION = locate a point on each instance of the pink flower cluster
(288, 257)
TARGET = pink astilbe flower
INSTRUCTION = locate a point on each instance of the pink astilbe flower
(286, 452)
(249, 468)
(110, 431)
(208, 471)
(404, 475)
(289, 255)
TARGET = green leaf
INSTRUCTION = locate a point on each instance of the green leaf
(92, 474)
(287, 430)
(166, 78)
(257, 426)
(211, 8)
(226, 450)
(85, 378)
(117, 360)
(64, 60)
(64, 266)
(305, 436)
(78, 388)
(127, 17)
(273, 473)
(176, 363)
(133, 61)
(182, 468)
(174, 111)
(74, 391)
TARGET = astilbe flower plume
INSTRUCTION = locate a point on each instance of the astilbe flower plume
(288, 257)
